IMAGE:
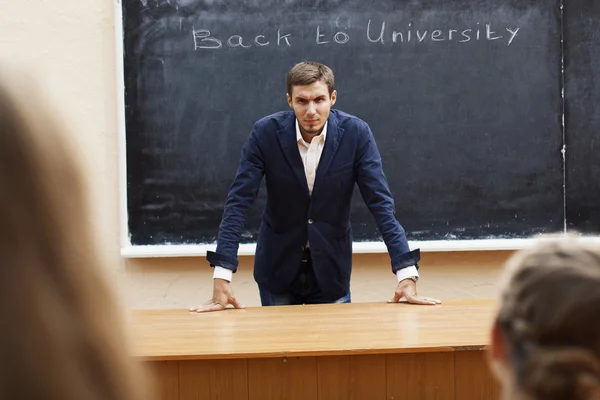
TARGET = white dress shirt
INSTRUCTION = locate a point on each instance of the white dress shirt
(311, 154)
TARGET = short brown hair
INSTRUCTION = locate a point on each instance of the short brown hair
(62, 333)
(550, 319)
(308, 72)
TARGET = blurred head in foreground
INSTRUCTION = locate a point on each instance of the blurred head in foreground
(546, 338)
(61, 334)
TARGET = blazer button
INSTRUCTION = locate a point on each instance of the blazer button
(310, 221)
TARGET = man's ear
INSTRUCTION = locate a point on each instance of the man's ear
(333, 97)
(289, 100)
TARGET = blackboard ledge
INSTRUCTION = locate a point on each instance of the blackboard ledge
(199, 250)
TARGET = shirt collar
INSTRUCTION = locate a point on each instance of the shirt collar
(299, 135)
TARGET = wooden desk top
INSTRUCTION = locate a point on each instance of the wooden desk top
(313, 330)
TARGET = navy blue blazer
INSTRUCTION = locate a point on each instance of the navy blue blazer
(292, 216)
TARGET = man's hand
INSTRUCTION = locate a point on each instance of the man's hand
(222, 297)
(407, 289)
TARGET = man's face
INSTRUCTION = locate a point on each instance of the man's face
(311, 104)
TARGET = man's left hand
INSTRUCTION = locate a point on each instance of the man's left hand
(407, 289)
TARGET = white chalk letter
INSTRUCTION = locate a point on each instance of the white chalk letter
(260, 43)
(203, 35)
(464, 33)
(513, 34)
(284, 37)
(435, 36)
(489, 32)
(341, 37)
(232, 42)
(319, 34)
(380, 38)
(395, 37)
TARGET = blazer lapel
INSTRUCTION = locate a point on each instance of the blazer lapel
(287, 139)
(332, 142)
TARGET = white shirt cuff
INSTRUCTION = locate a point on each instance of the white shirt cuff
(223, 273)
(407, 272)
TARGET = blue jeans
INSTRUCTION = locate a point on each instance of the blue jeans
(303, 290)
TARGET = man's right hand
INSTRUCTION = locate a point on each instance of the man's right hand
(222, 297)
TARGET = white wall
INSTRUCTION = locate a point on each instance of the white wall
(68, 46)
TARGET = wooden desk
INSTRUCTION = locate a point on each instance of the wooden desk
(341, 351)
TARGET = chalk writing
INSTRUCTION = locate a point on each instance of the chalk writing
(340, 37)
(260, 43)
(376, 33)
(284, 37)
(381, 32)
(235, 41)
(204, 40)
(319, 36)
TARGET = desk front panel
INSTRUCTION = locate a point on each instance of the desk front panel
(460, 375)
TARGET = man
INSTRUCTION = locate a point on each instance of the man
(311, 158)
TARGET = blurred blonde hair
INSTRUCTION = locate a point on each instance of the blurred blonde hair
(61, 335)
(550, 319)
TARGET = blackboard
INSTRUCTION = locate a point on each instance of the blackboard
(582, 114)
(464, 99)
